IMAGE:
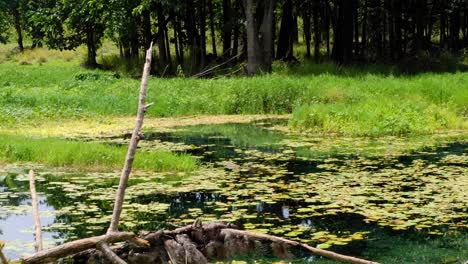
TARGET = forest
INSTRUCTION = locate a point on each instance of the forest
(234, 131)
(193, 34)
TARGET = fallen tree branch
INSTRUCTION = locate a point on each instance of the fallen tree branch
(132, 146)
(37, 218)
(313, 250)
(76, 246)
(108, 253)
(3, 259)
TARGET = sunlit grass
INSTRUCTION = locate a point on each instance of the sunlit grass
(87, 155)
(370, 100)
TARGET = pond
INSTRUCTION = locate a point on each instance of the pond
(390, 200)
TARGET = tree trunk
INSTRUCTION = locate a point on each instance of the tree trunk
(91, 46)
(327, 25)
(212, 28)
(259, 36)
(202, 8)
(286, 33)
(178, 29)
(146, 27)
(236, 27)
(161, 40)
(316, 7)
(227, 27)
(419, 20)
(307, 30)
(364, 31)
(356, 27)
(343, 33)
(18, 29)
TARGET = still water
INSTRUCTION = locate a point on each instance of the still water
(354, 196)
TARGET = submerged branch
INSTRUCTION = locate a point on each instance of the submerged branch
(313, 250)
(37, 218)
(3, 259)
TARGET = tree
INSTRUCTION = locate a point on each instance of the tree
(68, 24)
(12, 11)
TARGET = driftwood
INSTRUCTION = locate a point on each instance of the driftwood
(37, 218)
(3, 259)
(202, 244)
(132, 147)
(77, 246)
(107, 251)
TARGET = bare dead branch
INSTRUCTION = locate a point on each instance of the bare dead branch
(76, 246)
(313, 250)
(127, 169)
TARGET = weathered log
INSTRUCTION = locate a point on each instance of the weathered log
(37, 218)
(313, 250)
(192, 254)
(108, 253)
(132, 146)
(76, 246)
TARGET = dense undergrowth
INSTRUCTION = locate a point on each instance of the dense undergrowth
(87, 155)
(356, 100)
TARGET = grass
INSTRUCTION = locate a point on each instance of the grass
(354, 101)
(87, 155)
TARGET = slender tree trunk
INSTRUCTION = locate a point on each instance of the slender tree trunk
(397, 10)
(178, 29)
(146, 27)
(212, 28)
(295, 32)
(286, 33)
(443, 25)
(227, 27)
(364, 30)
(343, 33)
(19, 32)
(202, 6)
(168, 49)
(161, 40)
(317, 33)
(327, 10)
(356, 27)
(307, 30)
(419, 20)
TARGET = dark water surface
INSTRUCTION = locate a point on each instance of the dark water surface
(393, 207)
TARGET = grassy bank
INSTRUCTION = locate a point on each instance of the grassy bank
(86, 155)
(324, 98)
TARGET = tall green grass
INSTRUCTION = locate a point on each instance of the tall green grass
(323, 98)
(87, 155)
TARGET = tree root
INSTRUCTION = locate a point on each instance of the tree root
(192, 244)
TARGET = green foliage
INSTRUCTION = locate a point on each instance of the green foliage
(87, 155)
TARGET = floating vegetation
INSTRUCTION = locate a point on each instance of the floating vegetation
(338, 200)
